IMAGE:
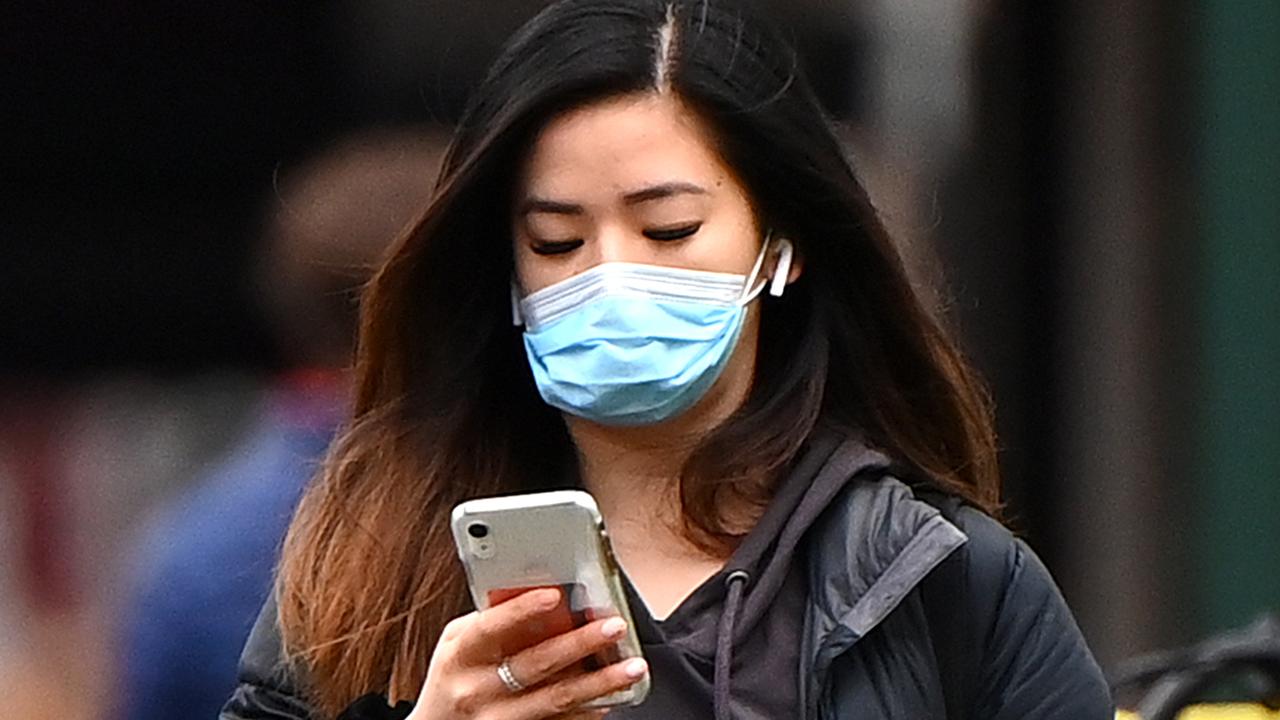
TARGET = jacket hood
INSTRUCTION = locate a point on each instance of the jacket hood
(861, 528)
(866, 543)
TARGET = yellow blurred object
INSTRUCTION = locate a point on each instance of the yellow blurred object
(1216, 712)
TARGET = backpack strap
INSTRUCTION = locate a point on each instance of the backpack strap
(945, 596)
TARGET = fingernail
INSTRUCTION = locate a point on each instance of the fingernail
(614, 627)
(547, 598)
(635, 668)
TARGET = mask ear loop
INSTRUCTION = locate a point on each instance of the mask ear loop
(750, 290)
(517, 318)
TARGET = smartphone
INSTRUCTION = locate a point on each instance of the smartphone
(516, 543)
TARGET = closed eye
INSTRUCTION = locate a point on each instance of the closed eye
(554, 247)
(678, 233)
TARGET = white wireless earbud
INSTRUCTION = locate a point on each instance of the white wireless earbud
(783, 268)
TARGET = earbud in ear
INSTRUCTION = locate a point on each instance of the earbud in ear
(783, 269)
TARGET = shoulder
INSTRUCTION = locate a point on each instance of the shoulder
(998, 576)
(267, 684)
(270, 684)
(1034, 661)
(1004, 576)
(993, 555)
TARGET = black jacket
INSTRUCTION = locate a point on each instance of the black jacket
(872, 644)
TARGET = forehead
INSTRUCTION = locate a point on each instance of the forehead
(619, 144)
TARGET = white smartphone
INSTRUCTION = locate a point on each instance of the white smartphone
(516, 543)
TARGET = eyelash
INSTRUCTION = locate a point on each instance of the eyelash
(564, 246)
(679, 233)
(555, 248)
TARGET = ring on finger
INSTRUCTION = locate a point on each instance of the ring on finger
(508, 678)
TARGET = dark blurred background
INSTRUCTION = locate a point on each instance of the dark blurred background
(1088, 192)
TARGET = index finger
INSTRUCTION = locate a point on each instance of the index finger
(490, 637)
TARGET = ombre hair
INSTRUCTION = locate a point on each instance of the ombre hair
(446, 408)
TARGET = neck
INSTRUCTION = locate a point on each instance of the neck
(634, 472)
(634, 475)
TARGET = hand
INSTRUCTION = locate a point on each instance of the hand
(463, 681)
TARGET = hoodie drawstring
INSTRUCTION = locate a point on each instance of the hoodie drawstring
(737, 584)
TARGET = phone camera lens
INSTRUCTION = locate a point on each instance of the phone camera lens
(478, 530)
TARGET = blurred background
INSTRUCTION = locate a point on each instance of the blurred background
(190, 193)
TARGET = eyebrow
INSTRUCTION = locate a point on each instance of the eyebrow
(665, 190)
(553, 207)
(657, 192)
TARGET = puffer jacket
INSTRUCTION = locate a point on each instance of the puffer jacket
(873, 647)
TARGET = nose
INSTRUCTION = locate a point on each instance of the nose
(609, 246)
(614, 243)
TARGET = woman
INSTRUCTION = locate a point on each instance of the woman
(714, 337)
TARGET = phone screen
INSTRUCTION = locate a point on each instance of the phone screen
(572, 612)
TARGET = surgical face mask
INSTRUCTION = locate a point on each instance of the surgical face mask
(635, 344)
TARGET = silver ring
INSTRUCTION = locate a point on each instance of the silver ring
(509, 679)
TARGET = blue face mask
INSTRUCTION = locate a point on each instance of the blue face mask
(633, 344)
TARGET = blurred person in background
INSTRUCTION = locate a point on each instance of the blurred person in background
(637, 173)
(206, 562)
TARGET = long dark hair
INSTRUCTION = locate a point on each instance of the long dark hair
(446, 408)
